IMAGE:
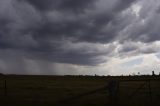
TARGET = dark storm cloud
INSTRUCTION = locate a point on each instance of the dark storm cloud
(39, 29)
(63, 52)
(61, 5)
(85, 26)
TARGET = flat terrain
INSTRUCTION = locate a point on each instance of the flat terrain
(58, 90)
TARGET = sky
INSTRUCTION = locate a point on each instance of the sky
(79, 37)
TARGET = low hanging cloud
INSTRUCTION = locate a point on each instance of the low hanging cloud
(83, 33)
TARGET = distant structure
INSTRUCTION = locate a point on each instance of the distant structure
(153, 73)
(139, 73)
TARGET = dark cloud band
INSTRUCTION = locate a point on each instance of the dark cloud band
(40, 29)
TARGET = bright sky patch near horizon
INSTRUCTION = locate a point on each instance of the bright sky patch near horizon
(79, 37)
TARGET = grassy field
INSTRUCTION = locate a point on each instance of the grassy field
(51, 90)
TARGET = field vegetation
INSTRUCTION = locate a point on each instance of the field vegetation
(23, 90)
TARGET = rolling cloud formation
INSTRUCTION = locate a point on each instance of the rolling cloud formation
(39, 34)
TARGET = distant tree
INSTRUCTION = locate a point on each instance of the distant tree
(1, 74)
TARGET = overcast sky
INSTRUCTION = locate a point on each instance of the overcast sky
(78, 37)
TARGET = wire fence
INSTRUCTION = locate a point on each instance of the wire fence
(114, 91)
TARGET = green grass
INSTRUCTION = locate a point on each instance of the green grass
(48, 90)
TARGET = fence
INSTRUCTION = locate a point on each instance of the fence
(113, 88)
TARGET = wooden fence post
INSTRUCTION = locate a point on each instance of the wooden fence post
(113, 87)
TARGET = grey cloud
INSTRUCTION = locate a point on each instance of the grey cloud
(82, 54)
(62, 5)
(86, 26)
(39, 29)
(17, 62)
(137, 48)
(145, 27)
(128, 47)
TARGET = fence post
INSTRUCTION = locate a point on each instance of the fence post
(113, 87)
(5, 85)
